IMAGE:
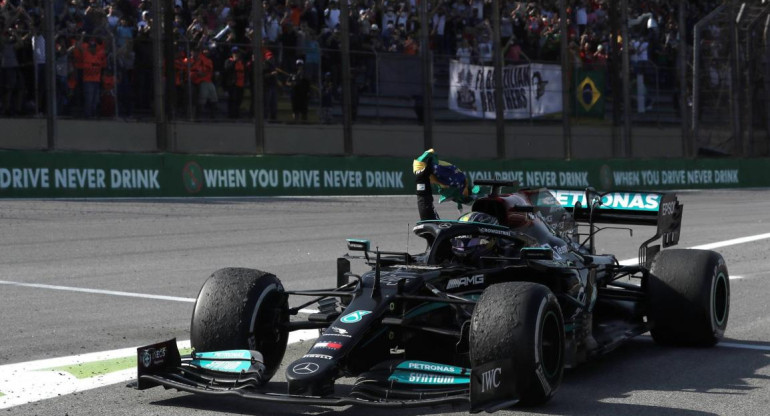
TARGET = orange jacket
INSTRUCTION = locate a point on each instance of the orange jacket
(202, 70)
(93, 63)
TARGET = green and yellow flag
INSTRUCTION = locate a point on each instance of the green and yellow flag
(589, 93)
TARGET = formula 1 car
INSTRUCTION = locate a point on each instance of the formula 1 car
(490, 314)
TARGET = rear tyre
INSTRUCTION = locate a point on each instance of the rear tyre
(688, 297)
(241, 308)
(521, 321)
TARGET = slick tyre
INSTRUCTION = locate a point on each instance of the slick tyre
(241, 308)
(521, 321)
(688, 297)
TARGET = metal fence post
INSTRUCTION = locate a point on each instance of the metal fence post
(565, 81)
(115, 76)
(686, 144)
(347, 102)
(157, 59)
(427, 75)
(498, 62)
(625, 143)
(735, 83)
(257, 78)
(50, 78)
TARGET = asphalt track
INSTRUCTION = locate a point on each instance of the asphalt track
(167, 248)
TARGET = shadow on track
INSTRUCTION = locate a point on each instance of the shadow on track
(627, 382)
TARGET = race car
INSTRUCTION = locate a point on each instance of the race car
(489, 314)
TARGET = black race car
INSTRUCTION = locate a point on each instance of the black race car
(494, 309)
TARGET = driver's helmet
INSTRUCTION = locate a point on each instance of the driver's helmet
(469, 248)
(481, 217)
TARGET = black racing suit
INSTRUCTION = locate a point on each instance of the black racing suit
(425, 195)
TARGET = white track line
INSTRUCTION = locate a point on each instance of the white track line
(98, 291)
(114, 293)
(732, 242)
(32, 381)
(711, 246)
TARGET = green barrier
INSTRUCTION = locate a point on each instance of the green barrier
(27, 174)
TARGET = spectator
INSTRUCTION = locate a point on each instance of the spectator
(126, 57)
(327, 94)
(94, 61)
(10, 73)
(235, 80)
(332, 14)
(270, 82)
(312, 56)
(63, 72)
(464, 52)
(300, 92)
(201, 75)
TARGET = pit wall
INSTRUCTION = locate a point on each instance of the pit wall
(64, 174)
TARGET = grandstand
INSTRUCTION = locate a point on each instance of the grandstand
(105, 68)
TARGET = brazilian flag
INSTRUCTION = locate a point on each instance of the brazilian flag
(589, 93)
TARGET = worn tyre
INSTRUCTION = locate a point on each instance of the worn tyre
(241, 308)
(521, 321)
(688, 297)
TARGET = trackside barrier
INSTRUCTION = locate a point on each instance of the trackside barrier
(31, 174)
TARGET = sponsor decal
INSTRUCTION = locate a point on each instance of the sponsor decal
(225, 366)
(494, 231)
(305, 368)
(146, 358)
(420, 186)
(241, 355)
(432, 367)
(153, 356)
(334, 331)
(668, 208)
(465, 281)
(444, 225)
(321, 356)
(192, 176)
(354, 317)
(430, 379)
(328, 345)
(426, 378)
(634, 201)
(490, 379)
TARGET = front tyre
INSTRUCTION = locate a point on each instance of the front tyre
(240, 308)
(521, 321)
(688, 297)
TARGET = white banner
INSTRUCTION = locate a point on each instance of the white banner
(529, 90)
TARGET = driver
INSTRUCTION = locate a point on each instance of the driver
(453, 184)
(470, 249)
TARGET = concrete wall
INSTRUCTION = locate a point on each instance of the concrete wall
(23, 134)
(453, 140)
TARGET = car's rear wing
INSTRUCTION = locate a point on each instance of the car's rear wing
(630, 208)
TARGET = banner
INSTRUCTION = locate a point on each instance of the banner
(530, 90)
(589, 93)
(30, 174)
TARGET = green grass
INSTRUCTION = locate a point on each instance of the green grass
(97, 368)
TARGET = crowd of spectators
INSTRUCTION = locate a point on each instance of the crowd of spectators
(104, 49)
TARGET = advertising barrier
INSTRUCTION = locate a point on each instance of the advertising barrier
(29, 174)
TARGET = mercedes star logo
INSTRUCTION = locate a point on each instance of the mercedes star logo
(305, 368)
